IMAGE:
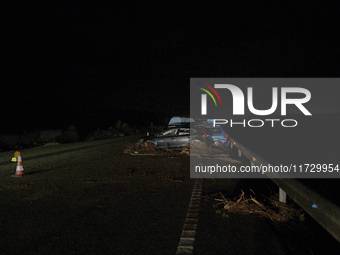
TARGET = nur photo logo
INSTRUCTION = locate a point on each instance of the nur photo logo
(279, 100)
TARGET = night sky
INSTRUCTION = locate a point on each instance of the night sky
(64, 61)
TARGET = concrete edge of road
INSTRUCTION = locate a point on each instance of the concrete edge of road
(187, 239)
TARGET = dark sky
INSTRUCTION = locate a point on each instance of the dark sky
(76, 58)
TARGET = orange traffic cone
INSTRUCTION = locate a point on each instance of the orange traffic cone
(20, 168)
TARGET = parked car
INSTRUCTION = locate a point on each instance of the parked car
(178, 138)
(217, 133)
(180, 122)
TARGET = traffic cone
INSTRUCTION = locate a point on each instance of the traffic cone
(20, 168)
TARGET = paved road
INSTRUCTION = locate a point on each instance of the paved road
(94, 199)
(97, 200)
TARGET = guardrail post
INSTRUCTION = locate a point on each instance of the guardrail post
(282, 196)
(231, 145)
(239, 153)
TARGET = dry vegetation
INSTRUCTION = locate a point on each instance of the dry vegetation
(273, 209)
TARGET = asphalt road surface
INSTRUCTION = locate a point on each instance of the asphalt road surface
(95, 200)
(91, 198)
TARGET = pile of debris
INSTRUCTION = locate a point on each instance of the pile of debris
(186, 150)
(149, 148)
(274, 210)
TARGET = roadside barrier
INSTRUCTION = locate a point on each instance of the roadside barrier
(20, 167)
(326, 213)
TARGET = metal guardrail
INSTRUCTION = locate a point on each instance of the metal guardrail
(326, 213)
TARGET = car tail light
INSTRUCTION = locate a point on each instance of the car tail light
(225, 136)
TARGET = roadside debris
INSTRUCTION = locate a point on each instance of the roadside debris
(273, 210)
(141, 148)
(186, 150)
(149, 148)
